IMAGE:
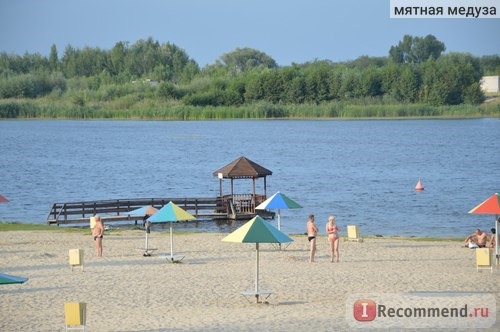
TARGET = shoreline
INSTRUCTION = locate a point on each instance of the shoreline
(20, 226)
(125, 291)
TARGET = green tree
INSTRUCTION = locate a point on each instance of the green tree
(370, 82)
(401, 82)
(235, 92)
(142, 57)
(416, 49)
(490, 64)
(117, 58)
(53, 58)
(449, 79)
(254, 90)
(317, 79)
(244, 59)
(69, 61)
(294, 85)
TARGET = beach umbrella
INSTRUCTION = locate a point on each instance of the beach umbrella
(9, 279)
(144, 211)
(171, 213)
(278, 201)
(257, 230)
(490, 206)
(147, 210)
(3, 199)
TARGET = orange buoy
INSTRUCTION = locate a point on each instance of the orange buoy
(419, 185)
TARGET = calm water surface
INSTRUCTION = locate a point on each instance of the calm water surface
(362, 171)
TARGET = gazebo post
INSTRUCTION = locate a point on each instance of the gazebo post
(253, 194)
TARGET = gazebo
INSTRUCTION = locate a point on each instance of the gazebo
(242, 168)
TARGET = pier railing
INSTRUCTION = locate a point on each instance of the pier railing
(117, 209)
(239, 206)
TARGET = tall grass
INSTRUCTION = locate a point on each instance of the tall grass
(131, 107)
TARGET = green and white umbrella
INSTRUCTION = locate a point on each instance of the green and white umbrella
(9, 279)
(257, 230)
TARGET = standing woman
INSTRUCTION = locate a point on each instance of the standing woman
(98, 233)
(333, 237)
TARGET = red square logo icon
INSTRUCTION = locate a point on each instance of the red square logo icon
(364, 310)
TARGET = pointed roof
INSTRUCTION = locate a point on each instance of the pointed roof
(242, 168)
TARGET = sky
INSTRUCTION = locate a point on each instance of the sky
(290, 31)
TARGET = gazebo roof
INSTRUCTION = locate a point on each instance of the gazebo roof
(242, 168)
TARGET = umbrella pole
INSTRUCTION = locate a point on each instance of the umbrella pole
(171, 243)
(257, 272)
(279, 220)
(279, 225)
(496, 238)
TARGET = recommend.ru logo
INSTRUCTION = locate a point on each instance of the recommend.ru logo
(421, 310)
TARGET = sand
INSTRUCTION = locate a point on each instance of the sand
(125, 291)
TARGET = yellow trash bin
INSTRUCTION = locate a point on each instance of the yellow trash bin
(353, 233)
(76, 258)
(484, 259)
(75, 315)
(92, 222)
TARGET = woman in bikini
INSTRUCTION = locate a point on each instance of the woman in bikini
(97, 233)
(333, 238)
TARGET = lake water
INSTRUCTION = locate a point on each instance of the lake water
(362, 171)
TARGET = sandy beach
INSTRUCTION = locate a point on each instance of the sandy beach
(125, 291)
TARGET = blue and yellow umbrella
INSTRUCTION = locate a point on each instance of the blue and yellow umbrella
(171, 213)
(257, 230)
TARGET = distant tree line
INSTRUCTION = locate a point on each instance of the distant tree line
(415, 71)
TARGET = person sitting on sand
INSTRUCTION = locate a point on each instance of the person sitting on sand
(493, 238)
(477, 239)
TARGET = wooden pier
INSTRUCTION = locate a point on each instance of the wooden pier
(116, 210)
(229, 206)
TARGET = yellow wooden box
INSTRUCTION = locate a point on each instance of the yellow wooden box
(92, 222)
(74, 313)
(352, 232)
(75, 257)
(483, 257)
